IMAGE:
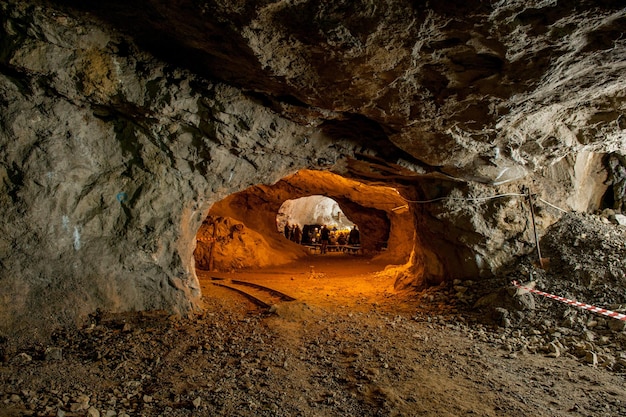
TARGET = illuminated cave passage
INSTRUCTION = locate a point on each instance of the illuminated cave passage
(308, 214)
(243, 232)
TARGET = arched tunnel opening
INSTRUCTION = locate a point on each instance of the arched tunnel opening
(304, 221)
(371, 245)
(301, 220)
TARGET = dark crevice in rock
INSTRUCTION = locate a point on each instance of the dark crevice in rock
(605, 36)
(287, 105)
(16, 181)
(615, 195)
(360, 130)
(382, 158)
(368, 136)
(526, 72)
(538, 19)
(17, 78)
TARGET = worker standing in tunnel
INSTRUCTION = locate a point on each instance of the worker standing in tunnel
(287, 231)
(324, 238)
(354, 238)
(296, 235)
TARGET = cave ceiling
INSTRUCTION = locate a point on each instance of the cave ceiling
(487, 91)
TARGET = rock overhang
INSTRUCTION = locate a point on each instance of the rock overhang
(471, 87)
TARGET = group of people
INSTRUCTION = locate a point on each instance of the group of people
(322, 235)
(293, 232)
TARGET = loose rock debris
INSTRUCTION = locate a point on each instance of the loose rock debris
(440, 352)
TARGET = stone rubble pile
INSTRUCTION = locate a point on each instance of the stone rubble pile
(587, 263)
(578, 334)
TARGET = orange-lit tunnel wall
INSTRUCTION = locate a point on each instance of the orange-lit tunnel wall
(241, 231)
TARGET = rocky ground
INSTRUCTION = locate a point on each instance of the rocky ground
(351, 346)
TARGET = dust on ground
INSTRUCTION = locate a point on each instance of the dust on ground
(351, 346)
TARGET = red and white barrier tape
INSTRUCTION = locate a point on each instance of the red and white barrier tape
(603, 311)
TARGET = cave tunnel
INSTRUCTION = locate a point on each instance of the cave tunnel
(302, 220)
(243, 236)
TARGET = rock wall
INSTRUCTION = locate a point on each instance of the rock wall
(109, 162)
(225, 244)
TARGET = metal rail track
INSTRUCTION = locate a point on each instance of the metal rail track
(280, 295)
(254, 299)
(250, 297)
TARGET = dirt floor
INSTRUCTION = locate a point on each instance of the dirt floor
(348, 345)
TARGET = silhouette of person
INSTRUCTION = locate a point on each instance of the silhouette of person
(324, 238)
(296, 234)
(355, 236)
(287, 230)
